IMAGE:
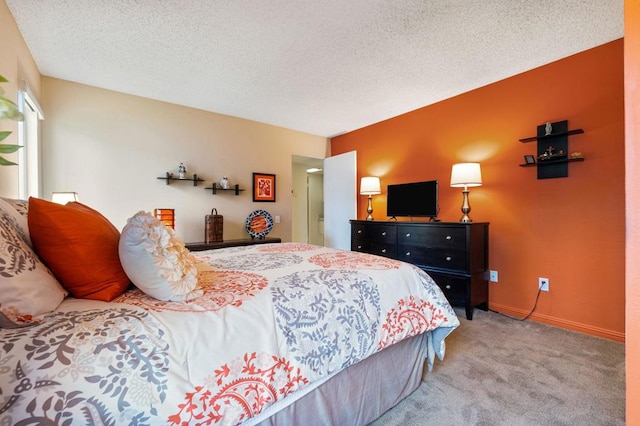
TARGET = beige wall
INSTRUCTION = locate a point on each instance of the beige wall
(16, 65)
(111, 147)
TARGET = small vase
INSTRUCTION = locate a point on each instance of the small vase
(224, 183)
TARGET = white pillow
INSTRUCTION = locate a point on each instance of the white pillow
(28, 290)
(157, 261)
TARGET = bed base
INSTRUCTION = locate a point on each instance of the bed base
(359, 394)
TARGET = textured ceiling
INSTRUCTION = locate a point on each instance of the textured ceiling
(320, 66)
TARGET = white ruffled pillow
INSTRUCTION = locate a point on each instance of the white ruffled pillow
(157, 261)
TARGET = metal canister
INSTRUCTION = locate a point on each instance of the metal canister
(213, 227)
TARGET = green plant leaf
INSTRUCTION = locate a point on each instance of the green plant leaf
(9, 109)
(8, 149)
(4, 162)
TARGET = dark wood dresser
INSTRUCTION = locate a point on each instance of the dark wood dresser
(454, 254)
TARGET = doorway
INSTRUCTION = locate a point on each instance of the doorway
(324, 200)
(307, 219)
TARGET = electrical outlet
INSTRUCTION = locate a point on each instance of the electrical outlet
(543, 284)
(493, 276)
(277, 219)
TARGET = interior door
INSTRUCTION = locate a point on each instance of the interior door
(340, 206)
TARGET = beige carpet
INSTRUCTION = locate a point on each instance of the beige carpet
(498, 371)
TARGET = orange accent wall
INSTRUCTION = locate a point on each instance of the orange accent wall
(632, 110)
(570, 230)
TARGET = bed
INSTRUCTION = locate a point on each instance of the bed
(284, 333)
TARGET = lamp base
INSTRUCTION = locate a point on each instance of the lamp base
(369, 209)
(466, 208)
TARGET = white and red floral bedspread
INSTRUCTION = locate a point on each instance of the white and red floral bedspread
(274, 318)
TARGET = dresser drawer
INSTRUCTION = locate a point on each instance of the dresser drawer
(374, 232)
(377, 239)
(454, 288)
(381, 249)
(433, 237)
(453, 258)
(382, 234)
(358, 232)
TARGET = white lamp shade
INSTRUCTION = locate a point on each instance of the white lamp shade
(64, 197)
(370, 185)
(466, 174)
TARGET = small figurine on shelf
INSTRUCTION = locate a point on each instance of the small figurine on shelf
(181, 170)
(548, 128)
(224, 182)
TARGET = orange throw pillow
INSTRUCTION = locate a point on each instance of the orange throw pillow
(80, 246)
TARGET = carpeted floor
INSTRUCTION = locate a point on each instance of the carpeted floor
(498, 371)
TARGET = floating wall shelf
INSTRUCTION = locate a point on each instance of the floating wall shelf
(170, 178)
(551, 136)
(553, 156)
(214, 189)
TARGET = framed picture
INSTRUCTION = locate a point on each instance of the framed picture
(529, 159)
(264, 187)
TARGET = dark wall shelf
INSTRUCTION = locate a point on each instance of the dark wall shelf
(552, 157)
(549, 162)
(214, 189)
(551, 136)
(169, 178)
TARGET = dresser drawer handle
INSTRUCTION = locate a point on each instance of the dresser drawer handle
(408, 235)
(448, 286)
(448, 258)
(408, 253)
(359, 231)
(448, 237)
(384, 250)
(359, 247)
(384, 233)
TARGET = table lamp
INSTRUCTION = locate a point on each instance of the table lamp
(166, 216)
(64, 197)
(466, 175)
(370, 185)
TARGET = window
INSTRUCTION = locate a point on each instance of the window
(30, 181)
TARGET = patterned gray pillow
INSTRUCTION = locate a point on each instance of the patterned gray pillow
(28, 290)
(21, 206)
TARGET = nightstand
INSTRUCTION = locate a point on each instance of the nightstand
(200, 246)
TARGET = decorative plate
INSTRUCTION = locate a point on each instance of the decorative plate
(259, 224)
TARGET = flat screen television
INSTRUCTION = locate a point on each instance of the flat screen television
(416, 199)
